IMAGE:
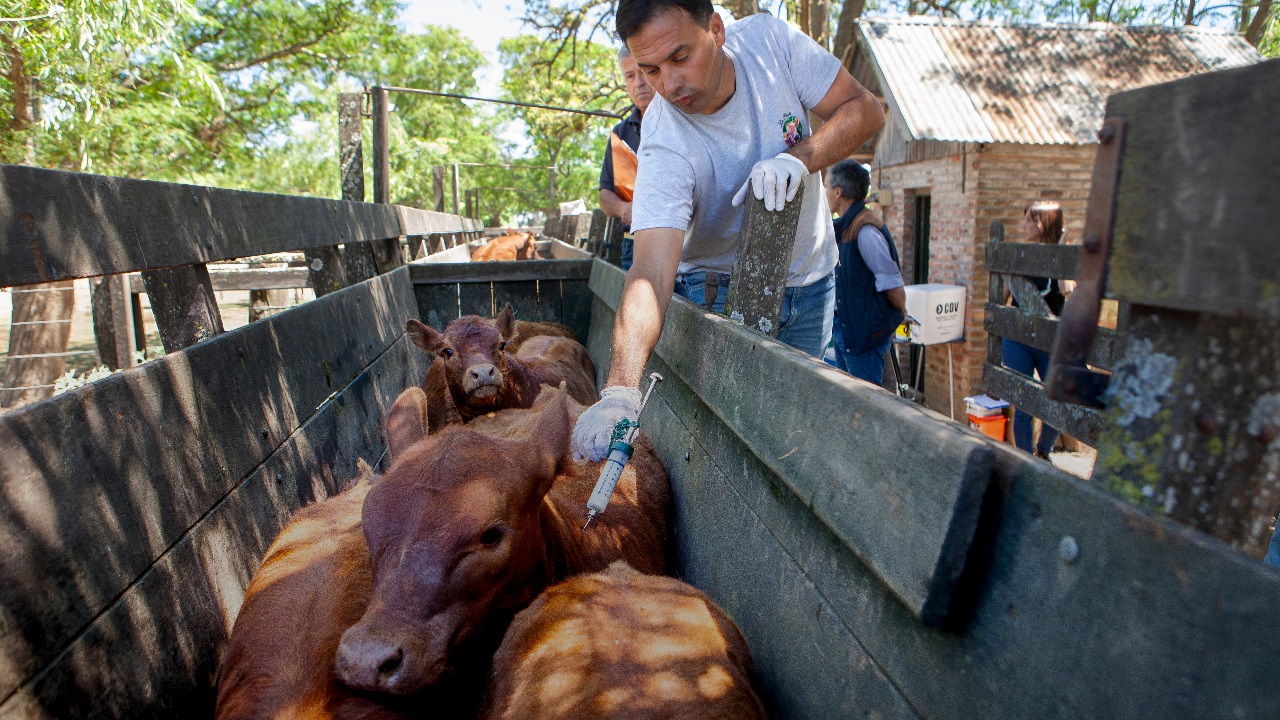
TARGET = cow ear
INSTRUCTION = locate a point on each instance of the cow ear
(406, 424)
(507, 321)
(424, 336)
(548, 446)
(441, 410)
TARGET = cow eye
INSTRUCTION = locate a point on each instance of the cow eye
(502, 345)
(447, 352)
(491, 537)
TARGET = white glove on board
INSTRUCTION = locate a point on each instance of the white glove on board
(594, 429)
(776, 181)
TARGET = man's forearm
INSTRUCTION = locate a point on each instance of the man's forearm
(643, 306)
(897, 298)
(635, 331)
(611, 204)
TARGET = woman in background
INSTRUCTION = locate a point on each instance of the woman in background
(1041, 223)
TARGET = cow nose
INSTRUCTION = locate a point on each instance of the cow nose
(483, 374)
(367, 663)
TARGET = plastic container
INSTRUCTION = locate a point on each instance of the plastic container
(984, 406)
(992, 426)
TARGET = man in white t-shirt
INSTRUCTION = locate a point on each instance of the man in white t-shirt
(730, 118)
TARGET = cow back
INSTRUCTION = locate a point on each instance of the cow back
(620, 644)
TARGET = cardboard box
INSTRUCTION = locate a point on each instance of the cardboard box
(940, 310)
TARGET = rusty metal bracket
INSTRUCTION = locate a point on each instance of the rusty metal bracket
(1070, 379)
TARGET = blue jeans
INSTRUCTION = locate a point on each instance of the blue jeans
(1028, 361)
(867, 365)
(806, 310)
(1273, 550)
(628, 249)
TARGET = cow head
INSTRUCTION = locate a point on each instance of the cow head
(456, 542)
(474, 352)
(528, 250)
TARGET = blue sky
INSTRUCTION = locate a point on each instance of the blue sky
(484, 22)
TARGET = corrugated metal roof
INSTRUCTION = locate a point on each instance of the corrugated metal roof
(1036, 83)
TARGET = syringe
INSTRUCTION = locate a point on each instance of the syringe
(620, 449)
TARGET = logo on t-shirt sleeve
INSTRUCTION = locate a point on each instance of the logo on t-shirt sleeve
(792, 129)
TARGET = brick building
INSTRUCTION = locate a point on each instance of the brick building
(984, 118)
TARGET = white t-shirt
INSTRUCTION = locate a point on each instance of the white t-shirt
(691, 165)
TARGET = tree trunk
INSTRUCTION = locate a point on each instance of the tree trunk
(1258, 25)
(1190, 17)
(41, 327)
(17, 74)
(844, 46)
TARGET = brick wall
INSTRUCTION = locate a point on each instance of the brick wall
(968, 191)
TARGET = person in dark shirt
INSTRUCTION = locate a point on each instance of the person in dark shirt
(870, 301)
(1041, 223)
(618, 173)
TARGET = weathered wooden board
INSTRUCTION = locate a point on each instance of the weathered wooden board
(523, 296)
(1195, 206)
(154, 651)
(183, 305)
(476, 299)
(59, 225)
(437, 304)
(113, 322)
(904, 496)
(1034, 260)
(762, 263)
(1039, 332)
(1080, 422)
(515, 271)
(1072, 604)
(100, 482)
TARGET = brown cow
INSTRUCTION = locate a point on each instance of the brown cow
(512, 246)
(619, 644)
(469, 525)
(314, 583)
(482, 375)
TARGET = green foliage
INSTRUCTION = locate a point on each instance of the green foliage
(583, 77)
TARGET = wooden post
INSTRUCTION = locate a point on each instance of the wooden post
(358, 261)
(437, 187)
(139, 323)
(759, 278)
(613, 243)
(113, 321)
(455, 188)
(325, 263)
(387, 255)
(470, 209)
(995, 294)
(183, 305)
(595, 234)
(38, 337)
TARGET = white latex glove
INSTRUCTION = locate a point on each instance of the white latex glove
(776, 181)
(595, 425)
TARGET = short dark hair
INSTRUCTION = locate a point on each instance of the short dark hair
(633, 14)
(852, 178)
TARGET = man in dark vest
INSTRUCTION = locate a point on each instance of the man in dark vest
(618, 172)
(870, 301)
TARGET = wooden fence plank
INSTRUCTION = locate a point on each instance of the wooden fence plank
(1034, 260)
(514, 271)
(760, 269)
(523, 297)
(1184, 242)
(437, 304)
(153, 652)
(476, 298)
(1078, 421)
(61, 225)
(1072, 604)
(904, 498)
(183, 305)
(1003, 321)
(113, 322)
(102, 480)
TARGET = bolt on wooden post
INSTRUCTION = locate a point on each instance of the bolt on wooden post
(759, 278)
